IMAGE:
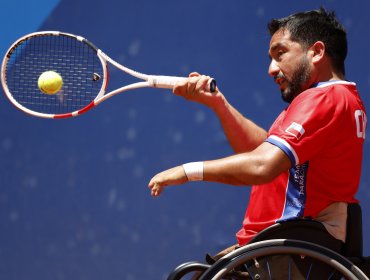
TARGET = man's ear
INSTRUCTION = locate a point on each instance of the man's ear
(317, 51)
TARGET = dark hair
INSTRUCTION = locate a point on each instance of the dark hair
(317, 25)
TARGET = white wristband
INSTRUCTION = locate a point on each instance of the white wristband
(194, 170)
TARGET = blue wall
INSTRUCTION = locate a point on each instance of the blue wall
(74, 202)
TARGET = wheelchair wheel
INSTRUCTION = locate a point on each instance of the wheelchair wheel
(283, 259)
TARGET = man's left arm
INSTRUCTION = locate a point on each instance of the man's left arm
(260, 166)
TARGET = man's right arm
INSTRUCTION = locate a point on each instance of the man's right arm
(242, 134)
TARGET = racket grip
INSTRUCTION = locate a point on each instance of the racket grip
(169, 82)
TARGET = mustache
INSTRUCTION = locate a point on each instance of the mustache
(279, 76)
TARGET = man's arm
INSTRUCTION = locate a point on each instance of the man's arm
(260, 166)
(242, 134)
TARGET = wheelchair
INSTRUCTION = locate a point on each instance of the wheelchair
(299, 249)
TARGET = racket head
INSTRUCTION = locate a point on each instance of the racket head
(84, 74)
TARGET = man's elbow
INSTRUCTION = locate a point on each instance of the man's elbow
(265, 173)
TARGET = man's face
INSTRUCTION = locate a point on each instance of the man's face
(289, 65)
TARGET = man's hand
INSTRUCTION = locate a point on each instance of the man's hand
(170, 177)
(195, 89)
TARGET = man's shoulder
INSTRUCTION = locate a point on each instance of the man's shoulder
(328, 93)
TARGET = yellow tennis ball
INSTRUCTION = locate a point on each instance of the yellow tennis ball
(50, 82)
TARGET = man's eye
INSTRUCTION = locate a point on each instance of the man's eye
(279, 55)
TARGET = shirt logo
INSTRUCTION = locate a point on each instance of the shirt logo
(296, 130)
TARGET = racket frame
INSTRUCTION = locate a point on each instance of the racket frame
(155, 81)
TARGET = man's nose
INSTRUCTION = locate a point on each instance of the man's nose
(273, 68)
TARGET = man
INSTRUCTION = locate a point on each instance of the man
(308, 164)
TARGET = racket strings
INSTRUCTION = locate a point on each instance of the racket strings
(74, 60)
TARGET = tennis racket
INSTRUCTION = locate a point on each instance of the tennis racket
(82, 66)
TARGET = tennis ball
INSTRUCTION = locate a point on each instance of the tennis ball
(50, 82)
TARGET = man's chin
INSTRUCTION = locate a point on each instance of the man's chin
(286, 95)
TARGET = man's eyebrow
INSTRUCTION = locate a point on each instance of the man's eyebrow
(274, 47)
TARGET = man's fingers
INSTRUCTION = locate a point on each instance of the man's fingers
(194, 74)
(156, 190)
(202, 83)
(155, 187)
(190, 87)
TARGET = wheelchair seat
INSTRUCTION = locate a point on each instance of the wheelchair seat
(304, 230)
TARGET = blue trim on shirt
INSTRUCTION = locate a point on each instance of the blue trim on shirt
(295, 200)
(284, 148)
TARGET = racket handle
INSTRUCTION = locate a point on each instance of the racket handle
(169, 82)
(212, 85)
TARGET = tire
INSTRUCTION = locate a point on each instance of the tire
(283, 259)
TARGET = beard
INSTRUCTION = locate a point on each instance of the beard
(295, 85)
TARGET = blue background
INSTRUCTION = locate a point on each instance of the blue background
(74, 202)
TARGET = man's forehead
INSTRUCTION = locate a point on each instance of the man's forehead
(281, 38)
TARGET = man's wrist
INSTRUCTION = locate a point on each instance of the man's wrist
(194, 170)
